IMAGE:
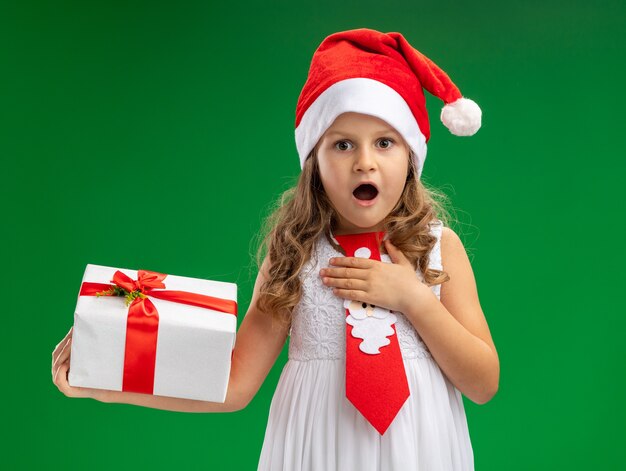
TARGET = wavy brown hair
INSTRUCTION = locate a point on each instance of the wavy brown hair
(303, 213)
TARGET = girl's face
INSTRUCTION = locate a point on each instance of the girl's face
(355, 150)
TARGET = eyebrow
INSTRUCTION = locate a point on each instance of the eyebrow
(346, 133)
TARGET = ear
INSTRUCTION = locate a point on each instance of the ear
(396, 254)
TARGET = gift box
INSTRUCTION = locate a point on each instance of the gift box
(151, 333)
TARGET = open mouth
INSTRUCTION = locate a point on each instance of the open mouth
(365, 192)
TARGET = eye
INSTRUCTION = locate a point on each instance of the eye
(388, 140)
(341, 143)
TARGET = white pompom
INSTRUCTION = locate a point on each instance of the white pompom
(462, 117)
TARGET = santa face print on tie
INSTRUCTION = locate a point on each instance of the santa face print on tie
(370, 323)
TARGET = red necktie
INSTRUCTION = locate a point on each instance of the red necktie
(376, 381)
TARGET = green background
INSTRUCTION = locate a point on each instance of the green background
(156, 136)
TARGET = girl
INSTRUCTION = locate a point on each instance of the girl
(380, 352)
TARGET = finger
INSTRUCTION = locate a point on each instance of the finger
(357, 273)
(59, 374)
(397, 256)
(352, 294)
(354, 262)
(346, 283)
(57, 351)
(59, 347)
(60, 379)
(64, 354)
(61, 344)
(62, 382)
(63, 348)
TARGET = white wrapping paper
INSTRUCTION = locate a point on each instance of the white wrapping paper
(194, 344)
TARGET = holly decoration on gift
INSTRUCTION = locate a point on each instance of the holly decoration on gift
(117, 291)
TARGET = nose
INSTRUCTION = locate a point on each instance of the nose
(365, 161)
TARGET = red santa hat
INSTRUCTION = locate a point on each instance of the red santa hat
(379, 74)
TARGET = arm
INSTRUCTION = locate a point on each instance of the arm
(455, 329)
(257, 346)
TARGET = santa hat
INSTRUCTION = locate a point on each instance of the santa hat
(379, 74)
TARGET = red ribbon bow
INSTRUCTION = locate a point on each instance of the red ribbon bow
(146, 280)
(142, 324)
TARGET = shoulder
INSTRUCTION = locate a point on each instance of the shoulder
(451, 243)
(448, 245)
(456, 263)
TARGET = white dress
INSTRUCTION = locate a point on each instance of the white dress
(313, 427)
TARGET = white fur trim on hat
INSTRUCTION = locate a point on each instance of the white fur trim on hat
(359, 95)
(462, 117)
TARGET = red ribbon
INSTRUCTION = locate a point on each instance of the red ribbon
(142, 324)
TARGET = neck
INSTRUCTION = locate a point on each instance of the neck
(338, 228)
(360, 231)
